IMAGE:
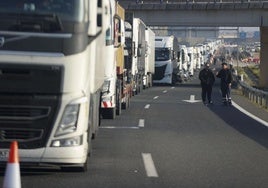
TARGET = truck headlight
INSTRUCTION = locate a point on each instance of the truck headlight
(67, 142)
(69, 119)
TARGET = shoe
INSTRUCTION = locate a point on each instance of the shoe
(210, 102)
(230, 103)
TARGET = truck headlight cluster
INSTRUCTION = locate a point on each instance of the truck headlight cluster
(69, 119)
(67, 142)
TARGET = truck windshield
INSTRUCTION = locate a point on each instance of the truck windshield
(162, 54)
(33, 14)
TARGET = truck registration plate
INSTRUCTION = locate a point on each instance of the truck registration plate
(4, 154)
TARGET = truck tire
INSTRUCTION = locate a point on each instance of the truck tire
(118, 98)
(119, 107)
(150, 80)
(125, 104)
(173, 79)
(128, 101)
(108, 113)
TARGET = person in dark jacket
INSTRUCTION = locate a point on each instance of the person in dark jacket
(207, 79)
(225, 74)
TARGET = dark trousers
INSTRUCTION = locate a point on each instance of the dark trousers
(206, 92)
(226, 92)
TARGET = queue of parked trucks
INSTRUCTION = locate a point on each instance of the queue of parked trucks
(177, 63)
(67, 64)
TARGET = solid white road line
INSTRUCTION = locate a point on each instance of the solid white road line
(149, 165)
(249, 114)
(141, 123)
(147, 106)
(156, 97)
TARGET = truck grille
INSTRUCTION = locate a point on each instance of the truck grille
(21, 135)
(23, 113)
(28, 119)
(159, 72)
(30, 97)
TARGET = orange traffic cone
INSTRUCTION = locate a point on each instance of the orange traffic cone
(12, 174)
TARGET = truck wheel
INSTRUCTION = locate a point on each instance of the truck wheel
(118, 99)
(173, 79)
(108, 113)
(119, 109)
(125, 104)
(151, 80)
(128, 101)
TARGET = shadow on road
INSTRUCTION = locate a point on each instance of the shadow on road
(242, 123)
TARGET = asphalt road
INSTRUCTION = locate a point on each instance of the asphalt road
(163, 141)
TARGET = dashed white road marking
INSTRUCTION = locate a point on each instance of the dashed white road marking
(156, 97)
(147, 106)
(164, 91)
(149, 165)
(141, 123)
(172, 87)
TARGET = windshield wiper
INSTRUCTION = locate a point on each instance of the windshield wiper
(34, 22)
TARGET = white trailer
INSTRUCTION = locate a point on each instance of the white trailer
(149, 58)
(191, 62)
(52, 73)
(166, 60)
(135, 51)
(138, 66)
(201, 48)
(184, 61)
(115, 92)
(197, 57)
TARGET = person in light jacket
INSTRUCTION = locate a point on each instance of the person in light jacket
(225, 74)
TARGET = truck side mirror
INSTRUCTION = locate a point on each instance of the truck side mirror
(174, 55)
(139, 50)
(117, 31)
(133, 49)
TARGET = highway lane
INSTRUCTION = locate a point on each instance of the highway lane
(164, 141)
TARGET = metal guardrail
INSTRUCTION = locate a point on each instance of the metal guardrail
(194, 1)
(193, 4)
(257, 96)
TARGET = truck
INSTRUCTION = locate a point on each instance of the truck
(52, 74)
(149, 58)
(166, 60)
(191, 63)
(183, 62)
(116, 91)
(135, 51)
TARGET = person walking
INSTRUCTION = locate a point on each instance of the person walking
(207, 79)
(226, 77)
